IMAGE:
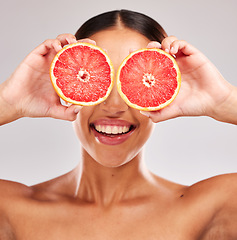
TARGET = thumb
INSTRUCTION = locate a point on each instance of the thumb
(65, 113)
(161, 115)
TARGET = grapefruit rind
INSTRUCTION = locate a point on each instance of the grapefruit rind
(160, 106)
(59, 91)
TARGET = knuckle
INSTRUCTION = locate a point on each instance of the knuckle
(48, 42)
(59, 36)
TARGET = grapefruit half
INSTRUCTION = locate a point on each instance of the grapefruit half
(82, 73)
(148, 79)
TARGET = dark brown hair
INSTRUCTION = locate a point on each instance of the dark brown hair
(133, 20)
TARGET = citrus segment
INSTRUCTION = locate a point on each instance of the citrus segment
(148, 79)
(82, 73)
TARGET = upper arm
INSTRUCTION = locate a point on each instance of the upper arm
(10, 189)
(226, 190)
(227, 215)
(6, 231)
(10, 192)
(223, 196)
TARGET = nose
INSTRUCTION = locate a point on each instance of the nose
(114, 104)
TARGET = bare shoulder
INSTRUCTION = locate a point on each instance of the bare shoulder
(219, 188)
(10, 193)
(219, 196)
(10, 189)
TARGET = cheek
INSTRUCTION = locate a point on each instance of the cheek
(146, 126)
(146, 129)
(81, 124)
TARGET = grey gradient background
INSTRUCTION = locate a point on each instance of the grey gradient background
(184, 150)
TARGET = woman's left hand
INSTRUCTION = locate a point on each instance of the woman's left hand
(203, 92)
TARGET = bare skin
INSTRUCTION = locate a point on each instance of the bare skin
(111, 194)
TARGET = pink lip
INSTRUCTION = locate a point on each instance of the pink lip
(112, 139)
(117, 122)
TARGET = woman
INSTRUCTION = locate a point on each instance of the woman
(111, 194)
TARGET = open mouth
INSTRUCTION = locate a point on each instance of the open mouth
(111, 130)
(112, 133)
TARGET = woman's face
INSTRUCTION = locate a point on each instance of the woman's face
(130, 129)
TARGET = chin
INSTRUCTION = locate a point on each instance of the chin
(112, 164)
(112, 161)
(110, 158)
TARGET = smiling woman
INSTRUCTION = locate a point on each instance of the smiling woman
(111, 194)
(114, 113)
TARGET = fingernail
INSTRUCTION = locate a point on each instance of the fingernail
(167, 50)
(158, 45)
(71, 40)
(173, 51)
(145, 113)
(68, 40)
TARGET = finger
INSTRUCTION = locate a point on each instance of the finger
(166, 43)
(46, 46)
(57, 45)
(66, 38)
(182, 46)
(161, 115)
(65, 113)
(87, 40)
(154, 44)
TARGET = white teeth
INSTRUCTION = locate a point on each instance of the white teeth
(111, 129)
(98, 128)
(125, 129)
(108, 130)
(115, 130)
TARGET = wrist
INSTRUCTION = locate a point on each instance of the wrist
(8, 112)
(227, 111)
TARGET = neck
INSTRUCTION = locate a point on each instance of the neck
(106, 185)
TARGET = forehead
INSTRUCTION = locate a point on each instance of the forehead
(118, 42)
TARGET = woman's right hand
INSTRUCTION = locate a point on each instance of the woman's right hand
(29, 92)
(203, 92)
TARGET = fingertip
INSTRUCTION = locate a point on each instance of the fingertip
(92, 41)
(71, 113)
(173, 50)
(167, 42)
(68, 113)
(154, 44)
(147, 114)
(58, 47)
(87, 40)
(71, 40)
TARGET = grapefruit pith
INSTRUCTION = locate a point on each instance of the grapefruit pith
(82, 73)
(148, 79)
